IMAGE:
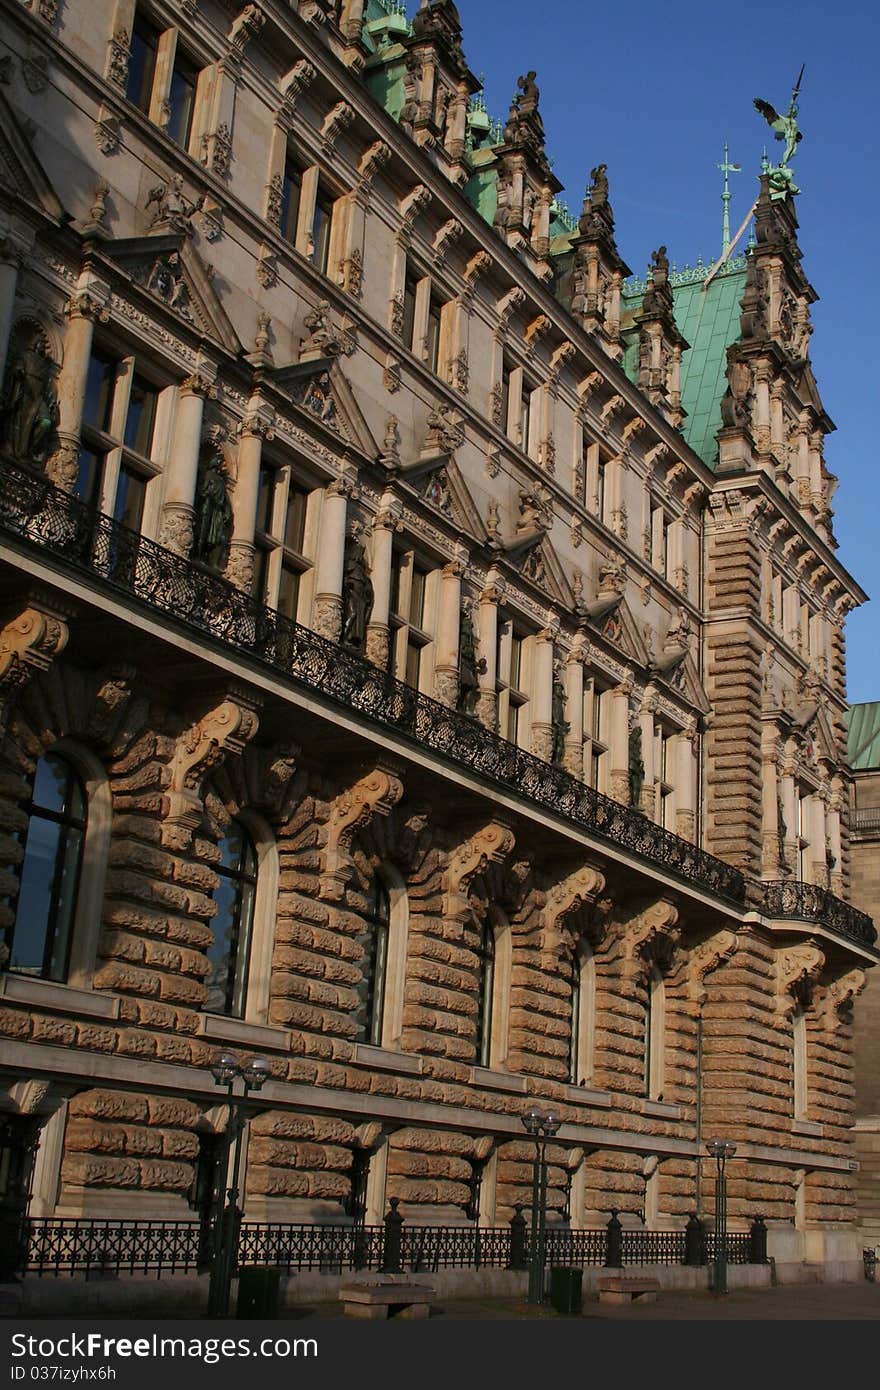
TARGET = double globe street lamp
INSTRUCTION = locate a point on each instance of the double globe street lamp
(226, 1071)
(541, 1127)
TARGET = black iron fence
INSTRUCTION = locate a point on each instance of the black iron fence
(97, 1248)
(35, 512)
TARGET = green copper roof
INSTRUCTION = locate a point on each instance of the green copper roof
(709, 320)
(863, 744)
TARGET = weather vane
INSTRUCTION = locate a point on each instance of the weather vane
(784, 128)
(727, 169)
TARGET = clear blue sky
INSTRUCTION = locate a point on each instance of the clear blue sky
(654, 90)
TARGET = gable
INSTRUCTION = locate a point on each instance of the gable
(536, 559)
(614, 621)
(169, 268)
(440, 483)
(321, 389)
(682, 676)
(20, 170)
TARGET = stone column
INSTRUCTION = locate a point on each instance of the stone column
(836, 803)
(685, 774)
(818, 851)
(446, 644)
(618, 782)
(789, 798)
(573, 759)
(181, 474)
(777, 418)
(762, 405)
(255, 427)
(12, 255)
(772, 862)
(487, 707)
(82, 309)
(327, 617)
(648, 803)
(542, 694)
(386, 521)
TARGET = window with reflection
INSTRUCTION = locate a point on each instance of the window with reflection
(235, 897)
(486, 995)
(142, 63)
(378, 921)
(41, 936)
(118, 423)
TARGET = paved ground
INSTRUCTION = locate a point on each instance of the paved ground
(804, 1302)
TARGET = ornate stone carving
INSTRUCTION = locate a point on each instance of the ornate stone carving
(35, 71)
(29, 412)
(117, 58)
(108, 132)
(294, 83)
(274, 200)
(798, 968)
(352, 271)
(376, 794)
(173, 208)
(451, 232)
(335, 122)
(654, 932)
(245, 27)
(709, 955)
(225, 729)
(458, 372)
(491, 845)
(267, 267)
(372, 160)
(565, 900)
(29, 642)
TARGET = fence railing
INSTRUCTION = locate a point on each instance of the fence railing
(97, 1248)
(37, 513)
(789, 898)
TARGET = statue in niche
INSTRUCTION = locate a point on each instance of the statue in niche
(469, 665)
(30, 403)
(559, 723)
(357, 594)
(213, 514)
(636, 768)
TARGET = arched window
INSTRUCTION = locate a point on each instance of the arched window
(655, 1031)
(583, 1005)
(486, 997)
(493, 990)
(42, 934)
(378, 919)
(235, 896)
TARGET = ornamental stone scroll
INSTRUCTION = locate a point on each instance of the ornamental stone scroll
(376, 794)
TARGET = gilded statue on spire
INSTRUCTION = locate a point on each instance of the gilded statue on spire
(784, 128)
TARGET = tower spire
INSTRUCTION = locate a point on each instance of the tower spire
(727, 169)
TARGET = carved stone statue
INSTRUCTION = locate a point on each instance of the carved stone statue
(357, 595)
(212, 530)
(636, 768)
(599, 186)
(560, 724)
(527, 101)
(468, 664)
(660, 261)
(784, 128)
(30, 403)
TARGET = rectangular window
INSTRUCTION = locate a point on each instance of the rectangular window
(321, 227)
(596, 721)
(118, 425)
(510, 679)
(142, 64)
(141, 415)
(409, 311)
(182, 99)
(659, 541)
(291, 197)
(665, 799)
(279, 539)
(407, 618)
(432, 337)
(131, 494)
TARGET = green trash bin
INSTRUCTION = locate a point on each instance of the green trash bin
(258, 1292)
(566, 1289)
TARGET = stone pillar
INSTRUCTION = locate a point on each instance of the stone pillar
(789, 799)
(12, 254)
(777, 421)
(762, 429)
(648, 803)
(446, 644)
(176, 531)
(818, 851)
(574, 712)
(618, 782)
(84, 306)
(836, 803)
(685, 770)
(254, 429)
(772, 861)
(542, 694)
(487, 707)
(331, 560)
(386, 521)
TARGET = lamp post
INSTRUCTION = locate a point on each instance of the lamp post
(541, 1127)
(721, 1150)
(226, 1070)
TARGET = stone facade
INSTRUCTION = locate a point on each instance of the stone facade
(561, 723)
(865, 868)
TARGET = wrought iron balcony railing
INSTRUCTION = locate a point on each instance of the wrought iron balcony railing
(37, 513)
(791, 899)
(865, 821)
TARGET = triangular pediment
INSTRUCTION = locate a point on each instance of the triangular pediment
(680, 674)
(536, 560)
(615, 622)
(818, 739)
(20, 170)
(321, 389)
(808, 393)
(440, 483)
(170, 269)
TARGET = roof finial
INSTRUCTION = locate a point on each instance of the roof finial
(727, 169)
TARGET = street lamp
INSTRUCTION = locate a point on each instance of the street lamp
(721, 1150)
(226, 1070)
(541, 1127)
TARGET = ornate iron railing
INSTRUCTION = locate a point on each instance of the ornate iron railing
(791, 899)
(97, 1248)
(39, 514)
(865, 821)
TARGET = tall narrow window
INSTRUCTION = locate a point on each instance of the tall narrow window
(655, 1034)
(596, 722)
(378, 919)
(583, 1002)
(665, 790)
(182, 99)
(407, 618)
(291, 197)
(118, 424)
(408, 329)
(41, 936)
(486, 995)
(510, 679)
(321, 228)
(799, 1062)
(432, 337)
(235, 895)
(142, 64)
